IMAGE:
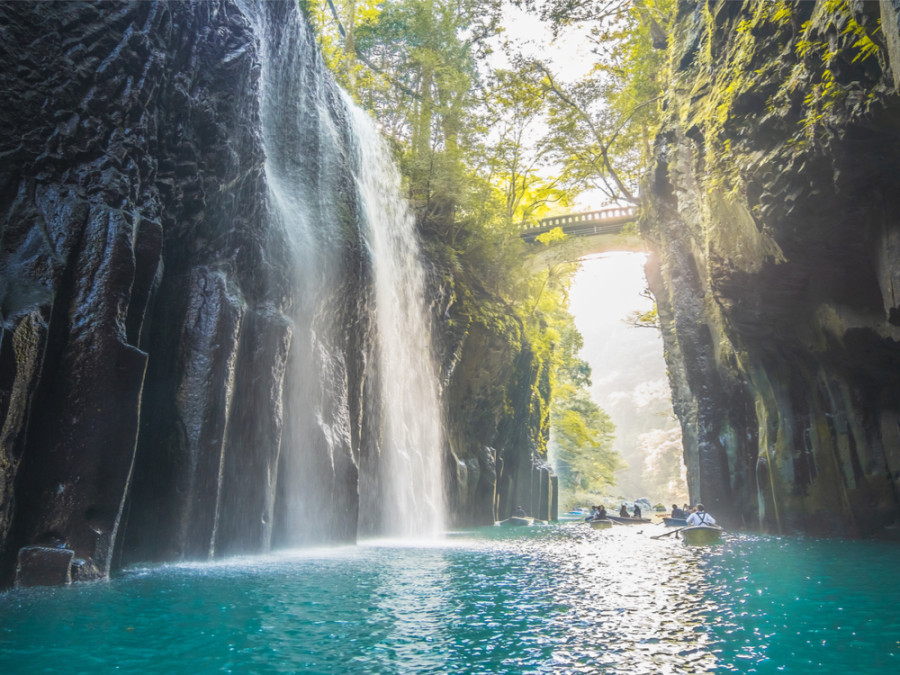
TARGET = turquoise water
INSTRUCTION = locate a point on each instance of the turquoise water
(560, 599)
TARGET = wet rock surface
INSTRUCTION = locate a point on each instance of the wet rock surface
(43, 566)
(774, 224)
(142, 286)
(495, 394)
(151, 385)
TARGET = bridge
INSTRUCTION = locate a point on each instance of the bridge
(610, 220)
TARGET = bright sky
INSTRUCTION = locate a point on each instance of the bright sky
(620, 275)
(570, 53)
(628, 371)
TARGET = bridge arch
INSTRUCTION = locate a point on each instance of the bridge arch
(600, 231)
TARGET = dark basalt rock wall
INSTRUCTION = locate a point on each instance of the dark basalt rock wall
(775, 220)
(144, 342)
(82, 243)
(154, 375)
(496, 427)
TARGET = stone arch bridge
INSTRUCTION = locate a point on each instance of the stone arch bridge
(596, 231)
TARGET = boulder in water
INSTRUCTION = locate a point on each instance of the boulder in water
(44, 566)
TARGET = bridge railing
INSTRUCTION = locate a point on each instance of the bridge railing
(601, 215)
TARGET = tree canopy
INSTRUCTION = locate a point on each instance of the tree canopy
(484, 147)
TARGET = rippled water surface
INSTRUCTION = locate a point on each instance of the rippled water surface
(560, 599)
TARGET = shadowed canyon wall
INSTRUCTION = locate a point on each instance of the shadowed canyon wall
(497, 396)
(182, 375)
(146, 316)
(774, 221)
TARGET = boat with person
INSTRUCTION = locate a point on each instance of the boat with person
(600, 523)
(675, 522)
(516, 521)
(701, 528)
(702, 535)
(630, 520)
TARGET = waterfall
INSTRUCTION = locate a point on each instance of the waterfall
(362, 441)
(409, 489)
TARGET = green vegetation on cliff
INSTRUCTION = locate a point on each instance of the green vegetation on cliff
(789, 72)
(771, 211)
(473, 150)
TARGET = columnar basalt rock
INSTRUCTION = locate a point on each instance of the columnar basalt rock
(81, 243)
(497, 427)
(144, 343)
(155, 382)
(772, 216)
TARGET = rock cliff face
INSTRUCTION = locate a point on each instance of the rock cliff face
(774, 220)
(176, 380)
(134, 233)
(497, 430)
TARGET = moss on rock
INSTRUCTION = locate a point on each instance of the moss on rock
(773, 223)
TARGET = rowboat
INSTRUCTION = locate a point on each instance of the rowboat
(516, 521)
(600, 523)
(629, 520)
(702, 535)
(675, 522)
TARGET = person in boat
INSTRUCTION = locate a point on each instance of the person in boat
(520, 512)
(601, 512)
(637, 511)
(700, 517)
(676, 512)
(623, 512)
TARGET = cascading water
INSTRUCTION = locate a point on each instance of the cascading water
(304, 173)
(362, 441)
(409, 490)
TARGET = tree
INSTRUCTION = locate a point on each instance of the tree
(514, 153)
(413, 65)
(582, 432)
(646, 319)
(602, 123)
(663, 470)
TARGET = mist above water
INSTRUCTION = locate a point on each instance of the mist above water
(403, 495)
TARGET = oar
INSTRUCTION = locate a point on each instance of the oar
(666, 534)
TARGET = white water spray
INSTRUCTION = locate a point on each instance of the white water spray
(313, 160)
(411, 483)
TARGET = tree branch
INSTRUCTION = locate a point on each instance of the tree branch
(604, 146)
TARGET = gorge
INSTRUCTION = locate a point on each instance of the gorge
(772, 217)
(215, 338)
(221, 333)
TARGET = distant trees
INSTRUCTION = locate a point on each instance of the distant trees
(601, 123)
(582, 433)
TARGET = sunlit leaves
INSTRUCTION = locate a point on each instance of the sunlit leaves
(552, 236)
(601, 123)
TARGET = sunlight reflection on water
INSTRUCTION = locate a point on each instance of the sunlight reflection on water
(563, 599)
